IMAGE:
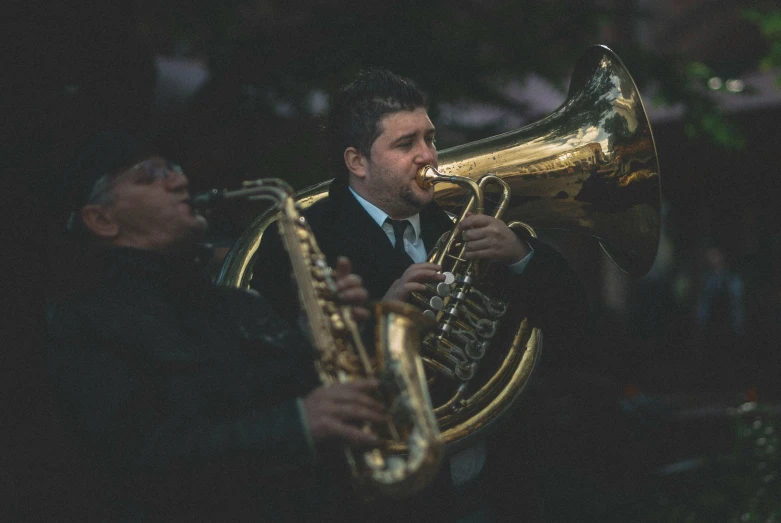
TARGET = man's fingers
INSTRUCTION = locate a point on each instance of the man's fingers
(335, 428)
(349, 280)
(415, 286)
(364, 386)
(479, 245)
(354, 435)
(350, 289)
(422, 272)
(496, 247)
(411, 280)
(343, 267)
(354, 294)
(356, 413)
(474, 221)
(361, 313)
(425, 266)
(340, 410)
(424, 276)
(359, 392)
(481, 254)
(352, 404)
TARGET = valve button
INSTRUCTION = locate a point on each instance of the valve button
(443, 289)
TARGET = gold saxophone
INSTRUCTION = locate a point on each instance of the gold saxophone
(411, 449)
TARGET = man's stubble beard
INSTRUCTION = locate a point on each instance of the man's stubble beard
(413, 202)
(401, 204)
(398, 202)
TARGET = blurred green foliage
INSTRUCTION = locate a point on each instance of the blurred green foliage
(769, 23)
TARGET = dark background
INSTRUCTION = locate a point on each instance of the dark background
(646, 424)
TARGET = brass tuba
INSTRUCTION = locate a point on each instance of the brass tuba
(411, 452)
(471, 326)
(590, 167)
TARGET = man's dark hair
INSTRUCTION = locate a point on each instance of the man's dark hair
(359, 106)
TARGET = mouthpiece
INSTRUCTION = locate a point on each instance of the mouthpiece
(428, 176)
(207, 199)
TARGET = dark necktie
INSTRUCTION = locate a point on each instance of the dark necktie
(399, 226)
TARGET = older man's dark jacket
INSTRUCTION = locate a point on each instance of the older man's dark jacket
(183, 395)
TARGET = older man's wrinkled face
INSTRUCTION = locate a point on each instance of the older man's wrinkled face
(151, 208)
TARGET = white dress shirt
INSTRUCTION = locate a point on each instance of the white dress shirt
(413, 243)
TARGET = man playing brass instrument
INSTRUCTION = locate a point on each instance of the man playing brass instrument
(195, 402)
(379, 135)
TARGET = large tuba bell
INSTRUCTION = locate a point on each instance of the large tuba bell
(590, 167)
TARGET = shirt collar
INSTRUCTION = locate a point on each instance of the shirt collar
(379, 216)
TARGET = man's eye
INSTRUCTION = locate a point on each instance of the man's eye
(432, 140)
(405, 145)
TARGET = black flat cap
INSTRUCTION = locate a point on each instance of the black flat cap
(105, 153)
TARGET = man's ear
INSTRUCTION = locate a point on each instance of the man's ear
(355, 162)
(99, 221)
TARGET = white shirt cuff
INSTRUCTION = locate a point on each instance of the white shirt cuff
(519, 266)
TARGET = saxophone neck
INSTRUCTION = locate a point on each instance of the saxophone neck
(272, 189)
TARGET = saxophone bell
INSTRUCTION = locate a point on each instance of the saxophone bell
(412, 447)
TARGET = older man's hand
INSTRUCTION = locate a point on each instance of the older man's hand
(340, 411)
(350, 289)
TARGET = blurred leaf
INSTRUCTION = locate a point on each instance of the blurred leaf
(769, 23)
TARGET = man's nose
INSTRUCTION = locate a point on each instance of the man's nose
(175, 179)
(426, 154)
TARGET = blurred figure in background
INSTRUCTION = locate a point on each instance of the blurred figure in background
(719, 317)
